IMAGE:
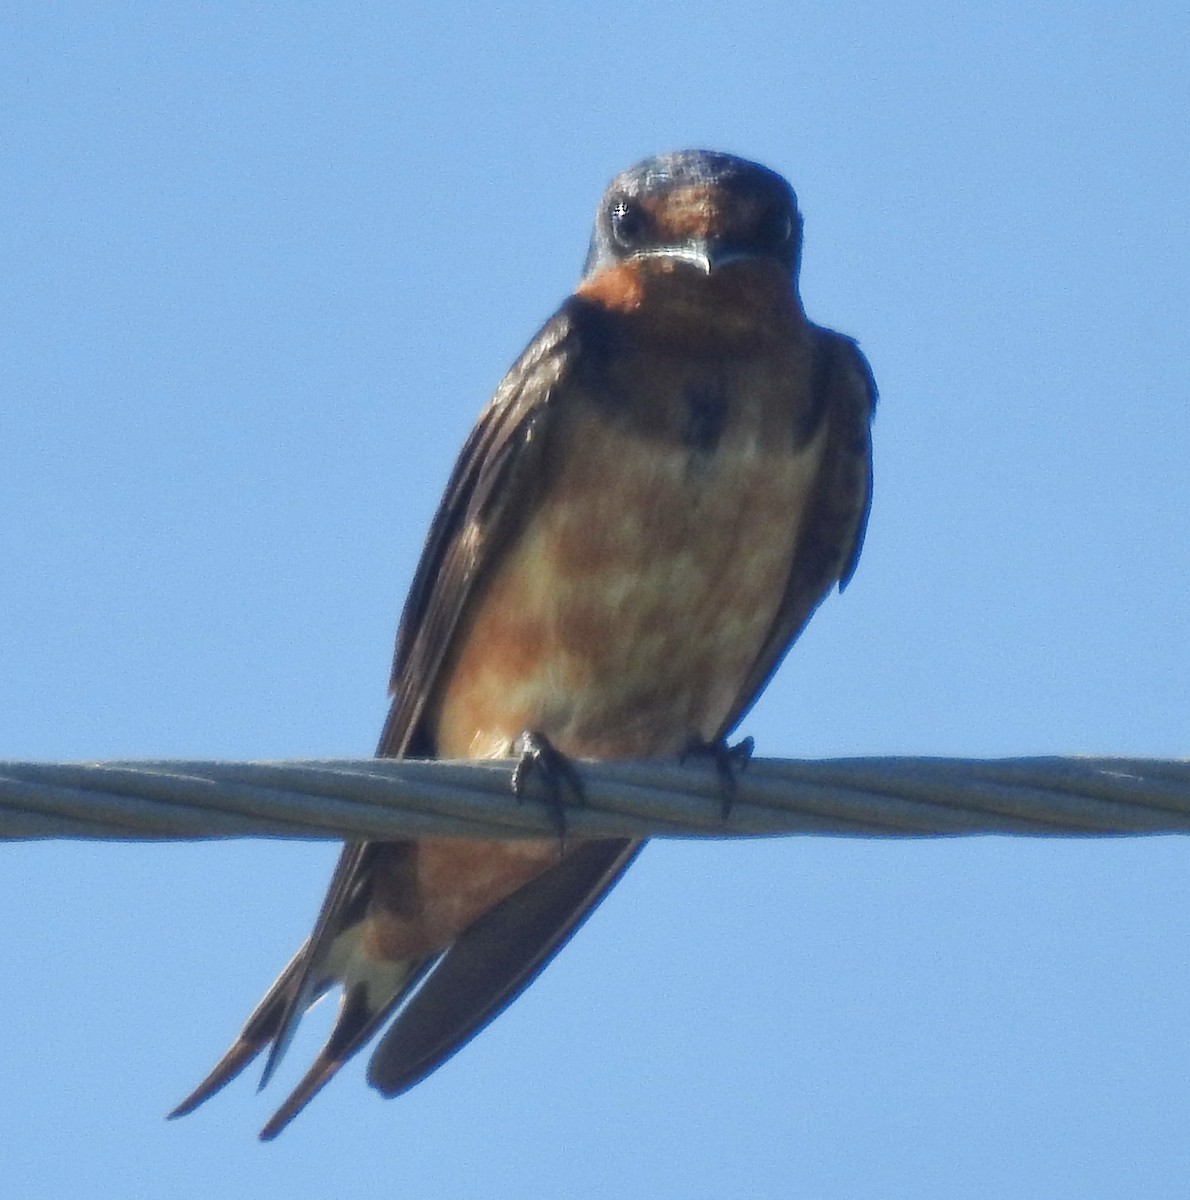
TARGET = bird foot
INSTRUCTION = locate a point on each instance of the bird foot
(729, 762)
(560, 782)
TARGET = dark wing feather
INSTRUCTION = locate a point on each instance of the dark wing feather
(488, 495)
(501, 465)
(837, 511)
(493, 962)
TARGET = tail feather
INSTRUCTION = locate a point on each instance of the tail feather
(321, 960)
(445, 997)
(362, 1010)
(259, 1029)
(371, 991)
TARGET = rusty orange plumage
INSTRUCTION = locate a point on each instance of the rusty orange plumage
(665, 486)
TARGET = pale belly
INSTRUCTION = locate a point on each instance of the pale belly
(626, 617)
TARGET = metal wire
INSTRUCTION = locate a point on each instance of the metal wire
(378, 798)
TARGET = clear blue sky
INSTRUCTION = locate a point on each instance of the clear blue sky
(260, 266)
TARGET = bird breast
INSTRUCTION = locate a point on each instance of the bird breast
(624, 618)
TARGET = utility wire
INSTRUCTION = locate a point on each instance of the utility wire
(385, 798)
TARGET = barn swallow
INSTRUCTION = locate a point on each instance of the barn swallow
(664, 487)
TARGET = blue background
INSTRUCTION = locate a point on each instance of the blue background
(261, 265)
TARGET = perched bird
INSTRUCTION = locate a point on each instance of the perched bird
(665, 486)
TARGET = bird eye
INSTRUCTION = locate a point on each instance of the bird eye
(776, 227)
(629, 224)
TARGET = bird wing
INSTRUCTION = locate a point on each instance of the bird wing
(490, 964)
(490, 494)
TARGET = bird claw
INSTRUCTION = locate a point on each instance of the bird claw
(560, 781)
(729, 762)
